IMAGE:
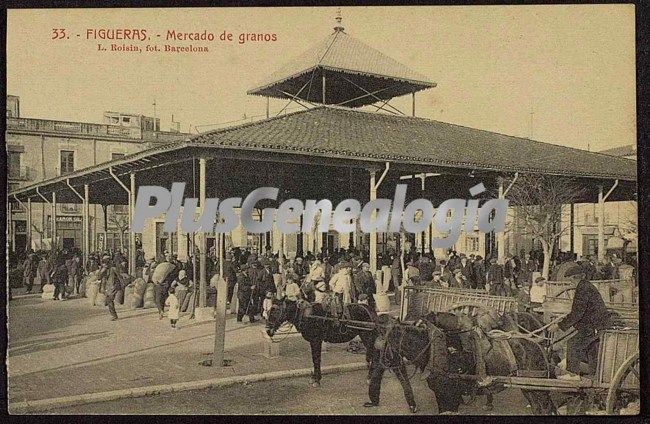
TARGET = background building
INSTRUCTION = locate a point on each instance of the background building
(38, 149)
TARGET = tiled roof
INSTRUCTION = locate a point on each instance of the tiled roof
(340, 51)
(350, 133)
(629, 150)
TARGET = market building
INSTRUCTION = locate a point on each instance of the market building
(331, 149)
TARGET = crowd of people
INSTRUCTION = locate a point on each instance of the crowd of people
(261, 277)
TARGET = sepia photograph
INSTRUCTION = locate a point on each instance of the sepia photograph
(377, 210)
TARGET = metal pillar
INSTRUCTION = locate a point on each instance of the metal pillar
(29, 223)
(220, 313)
(202, 238)
(10, 232)
(373, 234)
(132, 254)
(55, 243)
(323, 86)
(86, 223)
(601, 220)
(374, 185)
(268, 110)
(571, 230)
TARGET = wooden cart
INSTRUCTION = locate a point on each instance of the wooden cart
(418, 301)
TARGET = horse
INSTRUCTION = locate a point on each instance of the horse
(415, 343)
(317, 326)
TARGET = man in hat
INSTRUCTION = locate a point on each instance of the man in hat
(29, 270)
(479, 272)
(365, 284)
(496, 280)
(265, 280)
(244, 295)
(445, 273)
(426, 269)
(230, 274)
(467, 270)
(341, 285)
(112, 282)
(437, 281)
(459, 280)
(589, 316)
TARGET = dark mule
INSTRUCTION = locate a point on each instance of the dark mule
(415, 344)
(308, 320)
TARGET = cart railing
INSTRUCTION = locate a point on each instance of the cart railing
(615, 291)
(616, 346)
(418, 301)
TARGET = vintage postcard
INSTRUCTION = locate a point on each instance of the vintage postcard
(322, 210)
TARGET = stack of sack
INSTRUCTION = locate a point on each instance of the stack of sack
(149, 298)
(134, 294)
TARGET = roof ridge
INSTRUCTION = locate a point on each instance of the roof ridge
(377, 113)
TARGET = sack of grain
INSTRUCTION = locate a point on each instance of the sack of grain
(92, 288)
(48, 291)
(149, 298)
(161, 271)
(100, 300)
(139, 287)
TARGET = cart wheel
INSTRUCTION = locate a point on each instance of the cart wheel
(616, 388)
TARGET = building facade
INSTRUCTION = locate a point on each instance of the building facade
(38, 149)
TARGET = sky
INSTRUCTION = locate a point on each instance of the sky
(559, 74)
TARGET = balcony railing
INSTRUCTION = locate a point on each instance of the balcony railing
(46, 125)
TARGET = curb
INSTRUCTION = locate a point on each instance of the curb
(33, 406)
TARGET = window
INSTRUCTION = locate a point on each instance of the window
(67, 162)
(472, 244)
(126, 120)
(13, 164)
(116, 156)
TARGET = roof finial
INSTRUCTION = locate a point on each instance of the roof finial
(338, 18)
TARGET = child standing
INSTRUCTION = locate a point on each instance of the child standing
(174, 307)
(266, 304)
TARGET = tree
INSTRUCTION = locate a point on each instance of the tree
(538, 201)
(121, 223)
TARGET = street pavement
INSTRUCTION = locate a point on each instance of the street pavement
(68, 348)
(342, 393)
(64, 348)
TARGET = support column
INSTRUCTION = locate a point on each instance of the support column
(10, 233)
(29, 223)
(323, 87)
(86, 224)
(202, 239)
(501, 239)
(55, 244)
(132, 254)
(220, 313)
(268, 110)
(571, 229)
(373, 234)
(601, 225)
